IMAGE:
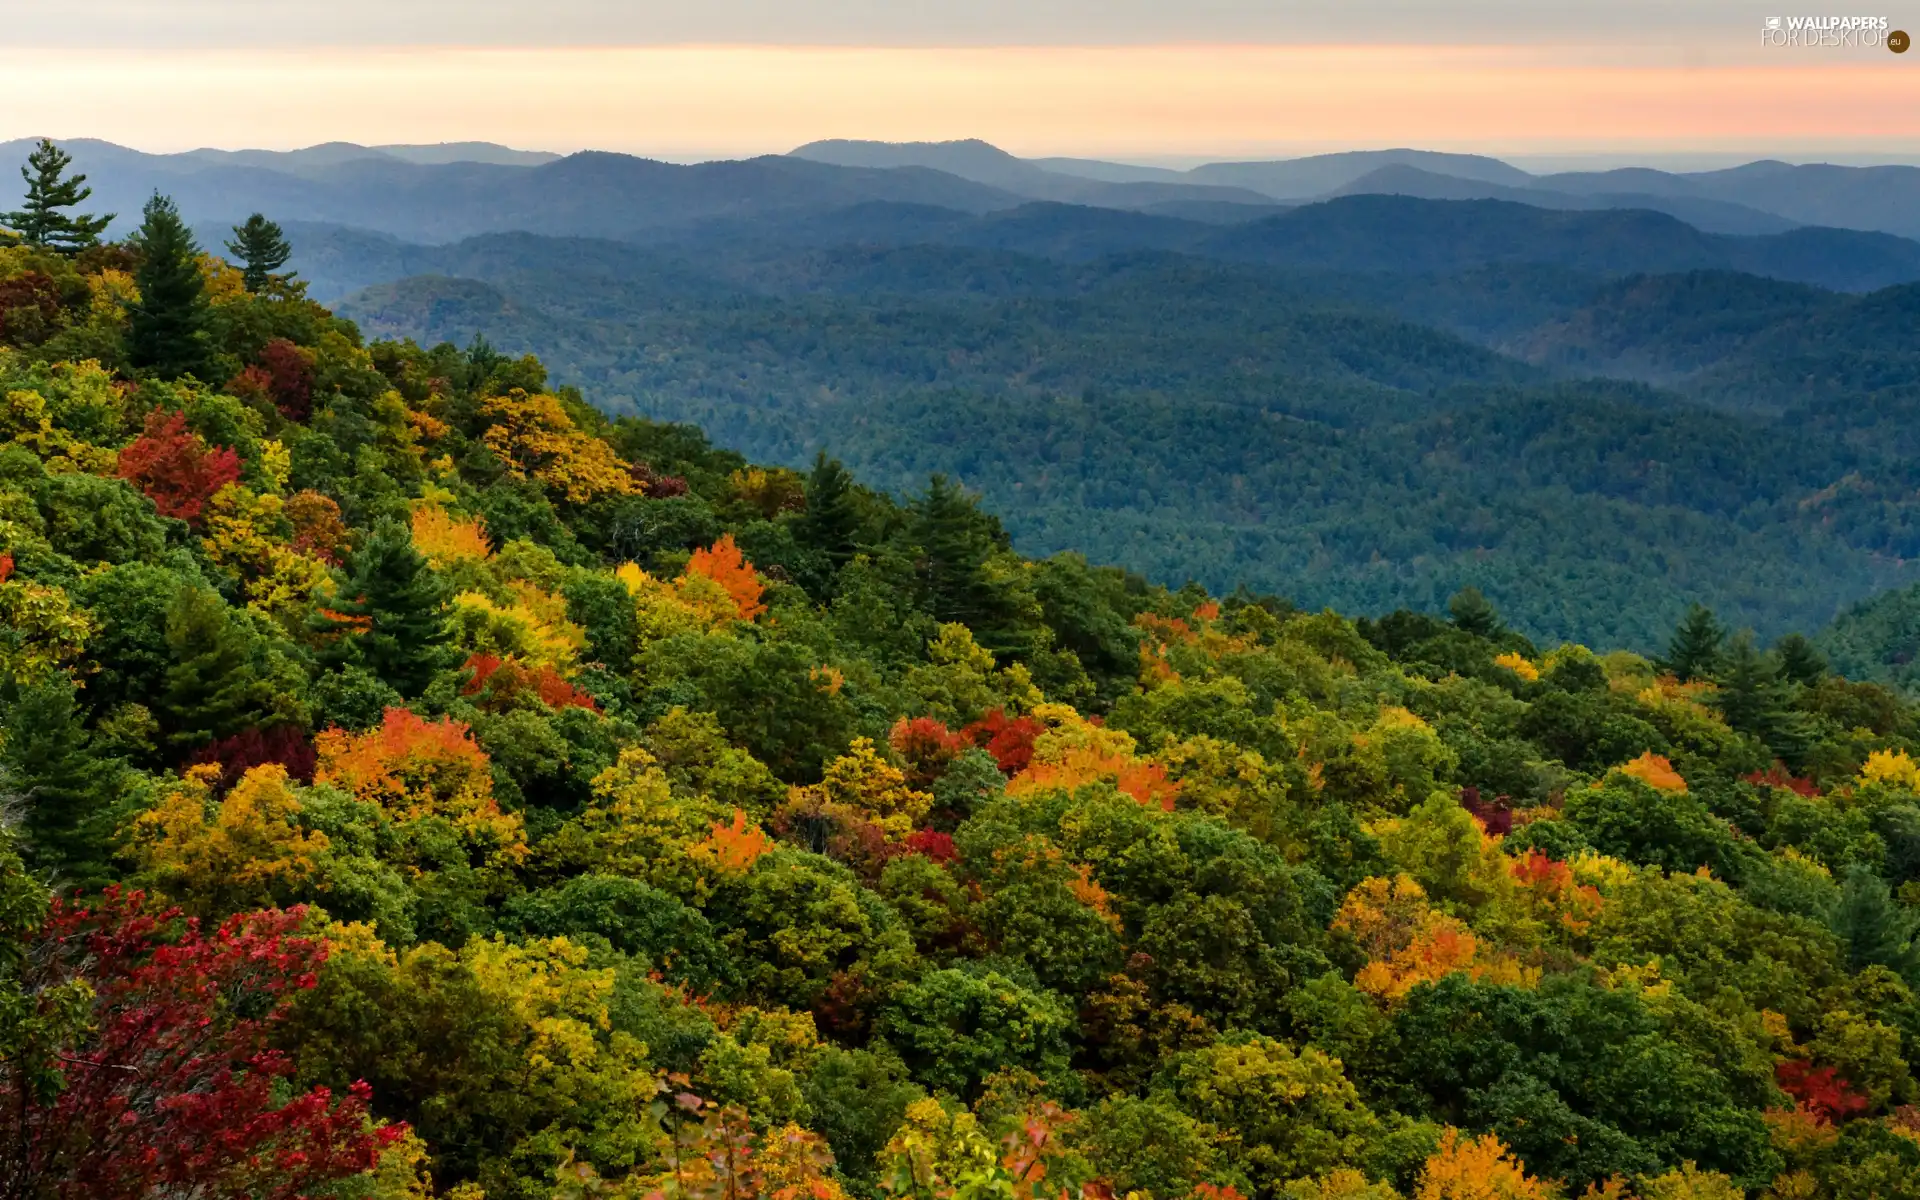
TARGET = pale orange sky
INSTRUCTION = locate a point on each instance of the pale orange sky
(1137, 100)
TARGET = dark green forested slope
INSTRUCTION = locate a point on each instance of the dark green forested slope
(1198, 421)
(420, 784)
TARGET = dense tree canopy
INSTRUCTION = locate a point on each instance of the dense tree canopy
(429, 787)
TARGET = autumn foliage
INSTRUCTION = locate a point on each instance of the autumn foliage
(1009, 739)
(1820, 1091)
(499, 682)
(253, 747)
(175, 468)
(176, 1090)
(723, 563)
(1477, 1168)
(1655, 771)
(414, 769)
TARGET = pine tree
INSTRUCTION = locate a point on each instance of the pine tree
(1755, 700)
(1697, 646)
(957, 542)
(214, 688)
(831, 523)
(1473, 613)
(167, 329)
(67, 790)
(1799, 661)
(262, 248)
(397, 608)
(1875, 930)
(41, 222)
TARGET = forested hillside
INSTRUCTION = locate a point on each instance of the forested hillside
(420, 784)
(1234, 424)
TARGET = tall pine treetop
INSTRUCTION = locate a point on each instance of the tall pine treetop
(1698, 646)
(262, 249)
(40, 221)
(166, 331)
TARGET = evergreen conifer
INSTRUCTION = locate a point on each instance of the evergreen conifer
(831, 523)
(67, 788)
(262, 249)
(214, 687)
(166, 332)
(1697, 647)
(1473, 613)
(40, 221)
(398, 609)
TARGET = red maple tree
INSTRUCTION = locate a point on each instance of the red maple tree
(175, 1089)
(174, 466)
(1008, 739)
(1821, 1091)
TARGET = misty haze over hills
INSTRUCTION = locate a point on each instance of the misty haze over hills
(446, 192)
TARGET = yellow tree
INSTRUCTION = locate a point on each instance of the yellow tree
(1465, 1168)
(534, 437)
(245, 851)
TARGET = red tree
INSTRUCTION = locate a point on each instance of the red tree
(289, 371)
(174, 467)
(1822, 1091)
(1008, 739)
(928, 746)
(174, 1090)
(499, 682)
(250, 748)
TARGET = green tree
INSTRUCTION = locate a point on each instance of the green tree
(167, 330)
(397, 607)
(1755, 700)
(40, 221)
(1474, 613)
(1875, 930)
(1800, 662)
(1697, 646)
(214, 687)
(262, 248)
(68, 790)
(831, 523)
(956, 1027)
(35, 1020)
(958, 544)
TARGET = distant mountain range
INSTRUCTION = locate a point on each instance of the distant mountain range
(1760, 197)
(446, 192)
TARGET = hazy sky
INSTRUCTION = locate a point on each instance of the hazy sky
(1138, 78)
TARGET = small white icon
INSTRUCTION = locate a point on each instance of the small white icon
(1773, 23)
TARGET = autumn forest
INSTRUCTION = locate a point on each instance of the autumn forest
(419, 784)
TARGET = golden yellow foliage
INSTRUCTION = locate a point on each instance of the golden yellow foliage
(445, 539)
(224, 283)
(1655, 771)
(249, 535)
(48, 631)
(870, 787)
(1687, 1182)
(247, 850)
(1477, 1169)
(1518, 664)
(533, 628)
(1893, 767)
(534, 436)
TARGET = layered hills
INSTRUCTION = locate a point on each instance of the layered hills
(1596, 411)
